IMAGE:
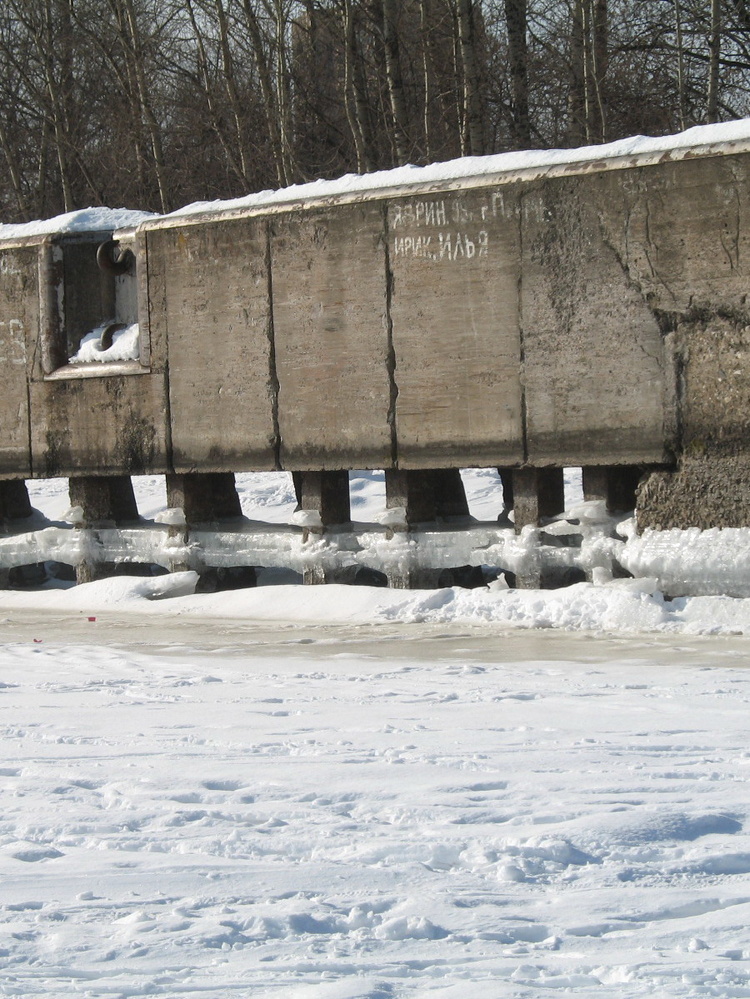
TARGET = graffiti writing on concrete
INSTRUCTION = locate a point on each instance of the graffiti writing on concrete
(447, 229)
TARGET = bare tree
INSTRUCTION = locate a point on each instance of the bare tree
(515, 17)
(394, 76)
(473, 117)
(714, 53)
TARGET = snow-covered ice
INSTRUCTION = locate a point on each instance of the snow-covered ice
(207, 808)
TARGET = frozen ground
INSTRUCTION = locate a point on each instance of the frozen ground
(198, 802)
(217, 809)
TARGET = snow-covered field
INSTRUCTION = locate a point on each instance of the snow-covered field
(213, 809)
(201, 801)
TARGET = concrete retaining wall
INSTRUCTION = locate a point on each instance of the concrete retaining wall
(595, 316)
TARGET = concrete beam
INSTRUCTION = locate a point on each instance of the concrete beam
(426, 495)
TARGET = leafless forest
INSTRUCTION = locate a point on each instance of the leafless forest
(155, 103)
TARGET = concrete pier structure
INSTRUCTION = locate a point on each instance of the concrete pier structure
(590, 312)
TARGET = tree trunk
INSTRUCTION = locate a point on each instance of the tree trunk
(515, 19)
(714, 52)
(266, 87)
(139, 71)
(230, 85)
(13, 170)
(680, 63)
(352, 103)
(284, 93)
(600, 64)
(577, 92)
(395, 81)
(427, 74)
(472, 98)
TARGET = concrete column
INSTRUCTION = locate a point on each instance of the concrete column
(14, 500)
(15, 505)
(204, 496)
(506, 478)
(426, 494)
(104, 500)
(325, 493)
(449, 493)
(538, 493)
(328, 494)
(615, 484)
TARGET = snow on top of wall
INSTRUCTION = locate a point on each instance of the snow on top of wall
(706, 138)
(83, 220)
(701, 136)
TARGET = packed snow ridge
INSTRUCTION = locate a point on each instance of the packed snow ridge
(83, 220)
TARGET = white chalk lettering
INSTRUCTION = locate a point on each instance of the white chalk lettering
(451, 246)
(419, 213)
(498, 204)
(461, 213)
(409, 246)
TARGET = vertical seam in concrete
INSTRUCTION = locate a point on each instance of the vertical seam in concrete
(521, 345)
(28, 423)
(273, 376)
(679, 403)
(141, 275)
(391, 351)
(168, 444)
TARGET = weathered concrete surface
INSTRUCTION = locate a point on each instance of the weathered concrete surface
(456, 265)
(685, 237)
(331, 338)
(19, 315)
(688, 253)
(596, 318)
(326, 493)
(711, 487)
(616, 485)
(209, 303)
(597, 380)
(426, 494)
(538, 493)
(111, 423)
(53, 419)
(14, 500)
(104, 499)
